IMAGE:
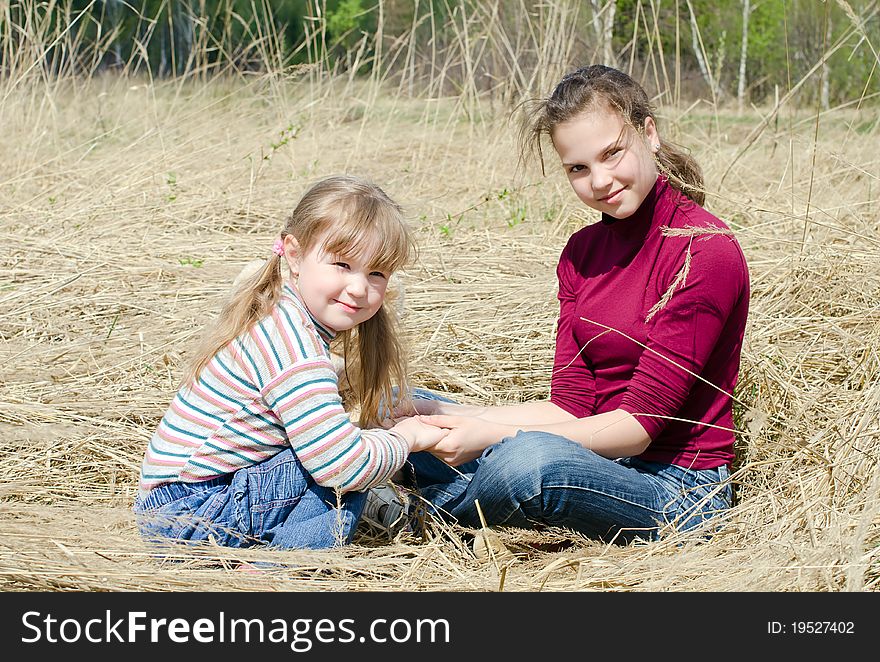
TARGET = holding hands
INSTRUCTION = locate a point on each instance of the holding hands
(421, 436)
(452, 432)
(466, 436)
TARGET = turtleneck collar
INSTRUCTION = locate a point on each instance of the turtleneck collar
(326, 334)
(656, 209)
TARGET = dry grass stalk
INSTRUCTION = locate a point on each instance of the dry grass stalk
(129, 206)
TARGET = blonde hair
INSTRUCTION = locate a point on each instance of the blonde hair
(342, 210)
(596, 87)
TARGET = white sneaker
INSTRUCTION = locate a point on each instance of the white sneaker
(385, 510)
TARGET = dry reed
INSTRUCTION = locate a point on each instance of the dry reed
(129, 205)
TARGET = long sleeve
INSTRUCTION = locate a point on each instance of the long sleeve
(687, 332)
(333, 450)
(572, 385)
(301, 388)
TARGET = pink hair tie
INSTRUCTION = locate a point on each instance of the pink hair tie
(278, 247)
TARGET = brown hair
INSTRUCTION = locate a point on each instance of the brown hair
(343, 209)
(597, 87)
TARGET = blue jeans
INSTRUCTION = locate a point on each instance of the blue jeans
(276, 503)
(538, 478)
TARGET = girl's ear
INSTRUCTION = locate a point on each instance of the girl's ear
(292, 254)
(651, 135)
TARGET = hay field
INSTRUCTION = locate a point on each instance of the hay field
(128, 206)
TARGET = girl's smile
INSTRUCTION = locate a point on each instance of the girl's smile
(349, 307)
(614, 197)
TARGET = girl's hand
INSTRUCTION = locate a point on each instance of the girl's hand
(420, 435)
(468, 437)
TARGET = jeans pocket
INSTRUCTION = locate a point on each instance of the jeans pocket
(271, 490)
(182, 511)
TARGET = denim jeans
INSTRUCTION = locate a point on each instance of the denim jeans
(276, 503)
(544, 479)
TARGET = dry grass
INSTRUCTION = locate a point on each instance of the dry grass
(129, 207)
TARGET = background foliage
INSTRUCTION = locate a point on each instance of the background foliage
(678, 47)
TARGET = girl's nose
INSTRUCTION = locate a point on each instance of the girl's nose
(601, 179)
(357, 285)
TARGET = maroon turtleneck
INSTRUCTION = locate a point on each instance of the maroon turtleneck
(611, 274)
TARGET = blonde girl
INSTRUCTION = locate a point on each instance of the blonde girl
(256, 446)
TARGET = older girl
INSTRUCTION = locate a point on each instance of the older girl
(637, 434)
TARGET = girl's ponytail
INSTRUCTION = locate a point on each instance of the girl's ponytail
(251, 301)
(682, 171)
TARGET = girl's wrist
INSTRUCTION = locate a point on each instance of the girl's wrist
(401, 437)
(442, 408)
(474, 411)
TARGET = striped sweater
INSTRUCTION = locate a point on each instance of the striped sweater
(272, 387)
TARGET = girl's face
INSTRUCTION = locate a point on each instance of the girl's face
(340, 291)
(609, 165)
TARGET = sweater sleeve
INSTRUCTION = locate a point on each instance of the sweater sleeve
(333, 450)
(686, 331)
(573, 384)
(298, 383)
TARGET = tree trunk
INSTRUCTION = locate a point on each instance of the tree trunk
(743, 55)
(116, 22)
(701, 55)
(608, 35)
(603, 27)
(186, 16)
(163, 60)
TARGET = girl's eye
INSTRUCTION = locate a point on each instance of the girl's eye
(378, 274)
(576, 168)
(341, 265)
(613, 152)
